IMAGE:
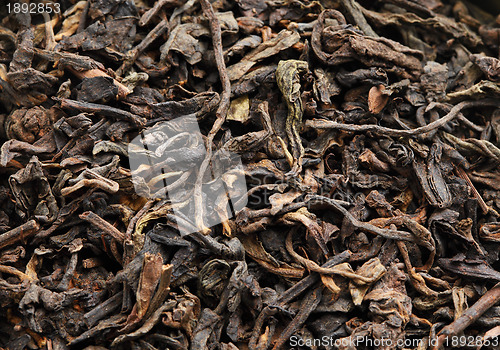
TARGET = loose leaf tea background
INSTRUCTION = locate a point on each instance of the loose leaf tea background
(369, 133)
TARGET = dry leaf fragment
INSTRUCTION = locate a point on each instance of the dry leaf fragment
(282, 41)
(372, 269)
(72, 19)
(239, 110)
(377, 99)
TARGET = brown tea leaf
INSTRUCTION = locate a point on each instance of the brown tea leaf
(377, 100)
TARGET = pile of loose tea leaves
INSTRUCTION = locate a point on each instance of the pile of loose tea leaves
(369, 138)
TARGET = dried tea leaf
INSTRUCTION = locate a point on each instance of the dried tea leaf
(278, 200)
(239, 110)
(440, 26)
(489, 65)
(183, 39)
(149, 279)
(287, 78)
(377, 100)
(490, 232)
(325, 86)
(372, 269)
(33, 192)
(347, 44)
(72, 18)
(484, 88)
(257, 252)
(269, 48)
(147, 326)
(475, 268)
(309, 221)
